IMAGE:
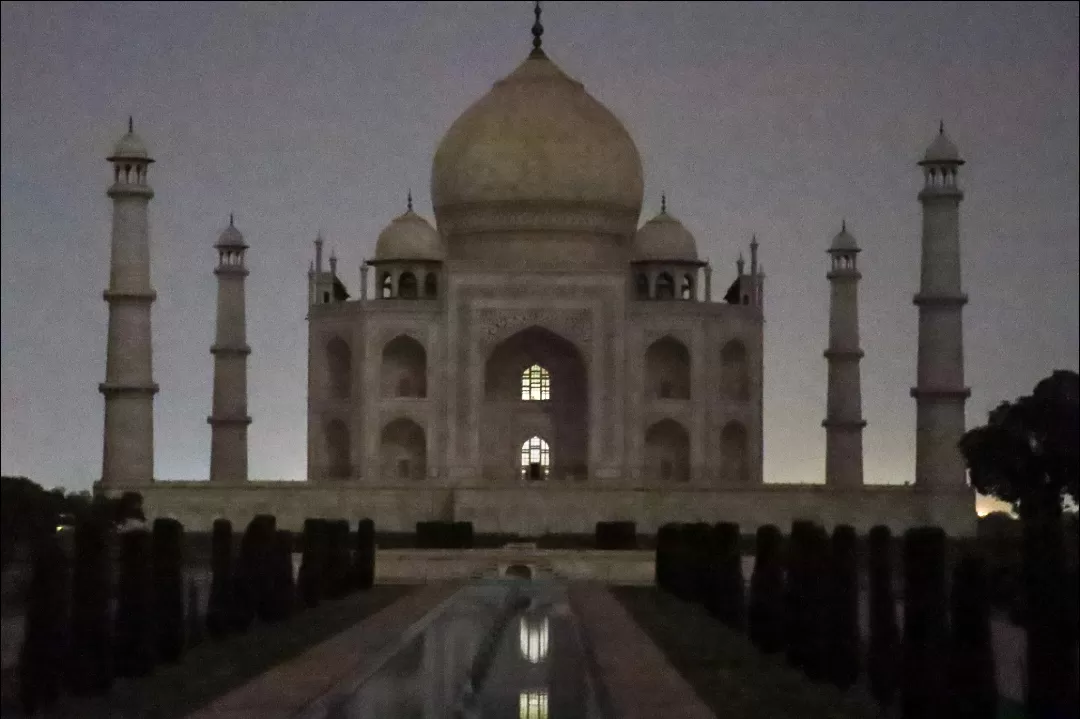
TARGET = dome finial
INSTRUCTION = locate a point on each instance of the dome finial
(230, 219)
(408, 200)
(131, 124)
(537, 31)
(843, 225)
(941, 127)
(663, 203)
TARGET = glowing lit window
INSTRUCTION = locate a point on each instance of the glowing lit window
(535, 384)
(533, 639)
(533, 705)
(535, 459)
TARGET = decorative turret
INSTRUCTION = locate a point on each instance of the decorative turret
(229, 419)
(129, 388)
(409, 258)
(940, 393)
(843, 415)
(324, 287)
(665, 259)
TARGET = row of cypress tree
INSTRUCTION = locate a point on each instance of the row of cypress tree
(804, 603)
(74, 640)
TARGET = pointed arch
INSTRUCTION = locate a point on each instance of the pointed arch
(734, 463)
(686, 291)
(667, 451)
(338, 451)
(641, 281)
(535, 458)
(407, 289)
(404, 368)
(734, 371)
(535, 384)
(403, 451)
(665, 286)
(667, 369)
(339, 367)
(431, 286)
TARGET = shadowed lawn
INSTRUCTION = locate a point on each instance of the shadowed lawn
(730, 675)
(212, 669)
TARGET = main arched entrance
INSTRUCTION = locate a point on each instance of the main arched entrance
(535, 390)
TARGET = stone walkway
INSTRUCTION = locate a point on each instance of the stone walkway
(638, 679)
(288, 688)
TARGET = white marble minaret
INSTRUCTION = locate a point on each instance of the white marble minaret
(843, 414)
(229, 420)
(940, 392)
(129, 388)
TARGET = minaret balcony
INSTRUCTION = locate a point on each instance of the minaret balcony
(131, 296)
(129, 189)
(945, 393)
(939, 299)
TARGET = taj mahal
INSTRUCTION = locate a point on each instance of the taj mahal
(537, 359)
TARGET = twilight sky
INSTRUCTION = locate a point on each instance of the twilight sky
(778, 119)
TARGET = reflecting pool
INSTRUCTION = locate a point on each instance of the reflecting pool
(507, 648)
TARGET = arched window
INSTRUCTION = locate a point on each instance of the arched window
(339, 367)
(667, 369)
(386, 285)
(665, 287)
(535, 384)
(667, 451)
(339, 463)
(403, 451)
(687, 289)
(733, 453)
(404, 368)
(642, 286)
(535, 459)
(407, 286)
(431, 285)
(734, 371)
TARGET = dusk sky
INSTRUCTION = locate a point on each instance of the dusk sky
(775, 119)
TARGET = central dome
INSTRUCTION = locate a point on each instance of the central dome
(537, 153)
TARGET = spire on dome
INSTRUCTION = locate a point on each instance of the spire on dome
(941, 127)
(408, 200)
(843, 225)
(131, 124)
(663, 203)
(231, 220)
(537, 32)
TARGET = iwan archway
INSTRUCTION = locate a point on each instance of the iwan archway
(535, 390)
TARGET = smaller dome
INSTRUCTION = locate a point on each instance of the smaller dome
(231, 237)
(409, 237)
(942, 149)
(844, 241)
(130, 147)
(664, 239)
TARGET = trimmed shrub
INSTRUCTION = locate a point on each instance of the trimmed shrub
(797, 596)
(135, 623)
(616, 535)
(313, 565)
(925, 624)
(462, 534)
(249, 572)
(819, 563)
(91, 668)
(843, 609)
(219, 603)
(727, 597)
(263, 534)
(284, 588)
(338, 560)
(168, 540)
(766, 612)
(194, 616)
(43, 654)
(364, 558)
(972, 682)
(884, 635)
